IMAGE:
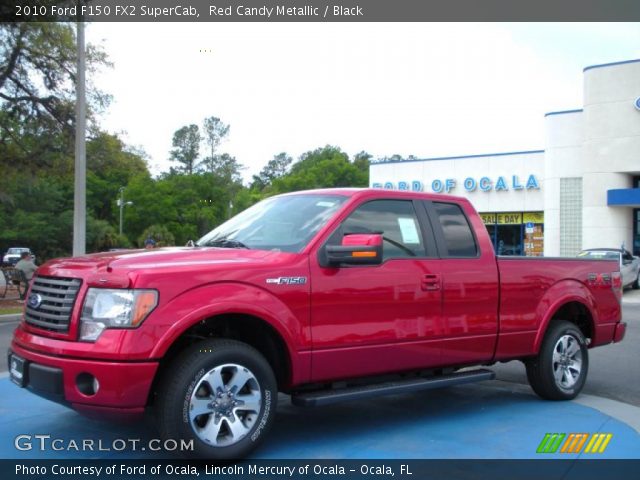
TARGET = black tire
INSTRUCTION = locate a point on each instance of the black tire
(188, 384)
(636, 285)
(542, 370)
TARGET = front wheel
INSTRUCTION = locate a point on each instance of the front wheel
(560, 369)
(222, 394)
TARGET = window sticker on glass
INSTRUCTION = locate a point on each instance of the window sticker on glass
(408, 230)
(325, 204)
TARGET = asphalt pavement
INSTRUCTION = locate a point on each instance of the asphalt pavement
(614, 370)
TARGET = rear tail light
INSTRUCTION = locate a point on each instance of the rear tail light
(616, 284)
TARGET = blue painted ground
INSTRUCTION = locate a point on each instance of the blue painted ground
(484, 421)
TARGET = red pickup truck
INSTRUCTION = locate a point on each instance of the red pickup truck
(326, 295)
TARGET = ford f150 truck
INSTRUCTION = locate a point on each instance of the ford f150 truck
(326, 295)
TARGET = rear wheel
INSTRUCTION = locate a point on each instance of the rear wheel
(221, 394)
(560, 369)
(636, 285)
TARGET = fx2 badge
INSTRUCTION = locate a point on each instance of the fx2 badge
(287, 280)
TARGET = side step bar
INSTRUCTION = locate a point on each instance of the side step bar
(329, 397)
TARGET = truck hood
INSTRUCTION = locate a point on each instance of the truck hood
(136, 262)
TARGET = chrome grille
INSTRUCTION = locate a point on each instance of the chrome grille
(57, 296)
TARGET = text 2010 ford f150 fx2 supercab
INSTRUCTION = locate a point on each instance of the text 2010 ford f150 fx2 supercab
(326, 295)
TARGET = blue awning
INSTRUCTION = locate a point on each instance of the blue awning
(624, 197)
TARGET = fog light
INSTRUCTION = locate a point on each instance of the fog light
(87, 384)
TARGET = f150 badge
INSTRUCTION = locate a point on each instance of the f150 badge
(288, 280)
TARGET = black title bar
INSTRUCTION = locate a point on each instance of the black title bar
(112, 469)
(319, 10)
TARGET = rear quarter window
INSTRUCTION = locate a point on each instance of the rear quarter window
(458, 237)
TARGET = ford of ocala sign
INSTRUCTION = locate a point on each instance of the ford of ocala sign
(470, 184)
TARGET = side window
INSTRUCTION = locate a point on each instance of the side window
(458, 236)
(396, 220)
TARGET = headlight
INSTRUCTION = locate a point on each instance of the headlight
(104, 308)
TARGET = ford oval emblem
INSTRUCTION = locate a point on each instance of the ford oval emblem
(35, 300)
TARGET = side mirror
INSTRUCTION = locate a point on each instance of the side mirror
(356, 249)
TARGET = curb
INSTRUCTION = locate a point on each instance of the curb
(624, 412)
(10, 317)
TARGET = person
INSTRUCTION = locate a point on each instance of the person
(26, 265)
(149, 242)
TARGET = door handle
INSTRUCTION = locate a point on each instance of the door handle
(431, 282)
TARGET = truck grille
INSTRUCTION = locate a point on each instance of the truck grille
(57, 296)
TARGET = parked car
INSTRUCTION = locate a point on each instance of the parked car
(13, 255)
(326, 295)
(629, 265)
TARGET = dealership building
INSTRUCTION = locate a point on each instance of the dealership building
(581, 191)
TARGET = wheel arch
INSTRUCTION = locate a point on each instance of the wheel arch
(576, 305)
(249, 329)
(236, 311)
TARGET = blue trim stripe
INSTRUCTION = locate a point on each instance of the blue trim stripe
(562, 112)
(623, 197)
(591, 67)
(528, 152)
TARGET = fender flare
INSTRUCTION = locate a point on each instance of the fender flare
(179, 314)
(561, 293)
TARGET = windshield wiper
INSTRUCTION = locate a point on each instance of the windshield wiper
(225, 243)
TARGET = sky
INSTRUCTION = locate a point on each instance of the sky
(422, 89)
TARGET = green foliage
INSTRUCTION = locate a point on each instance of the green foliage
(277, 167)
(215, 131)
(102, 236)
(37, 92)
(160, 234)
(322, 168)
(186, 148)
(109, 166)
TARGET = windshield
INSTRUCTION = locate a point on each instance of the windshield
(17, 251)
(285, 223)
(604, 254)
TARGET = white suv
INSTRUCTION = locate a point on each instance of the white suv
(13, 255)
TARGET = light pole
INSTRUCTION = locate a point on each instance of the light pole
(80, 182)
(121, 204)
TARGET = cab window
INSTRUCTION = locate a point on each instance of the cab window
(396, 220)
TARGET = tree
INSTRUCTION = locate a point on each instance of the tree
(215, 130)
(362, 161)
(110, 165)
(321, 168)
(276, 167)
(186, 147)
(228, 168)
(37, 89)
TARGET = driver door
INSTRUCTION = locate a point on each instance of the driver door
(372, 319)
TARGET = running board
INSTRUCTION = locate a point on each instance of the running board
(329, 397)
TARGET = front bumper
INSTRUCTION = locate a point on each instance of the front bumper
(123, 386)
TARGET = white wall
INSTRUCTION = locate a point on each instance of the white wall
(611, 151)
(564, 134)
